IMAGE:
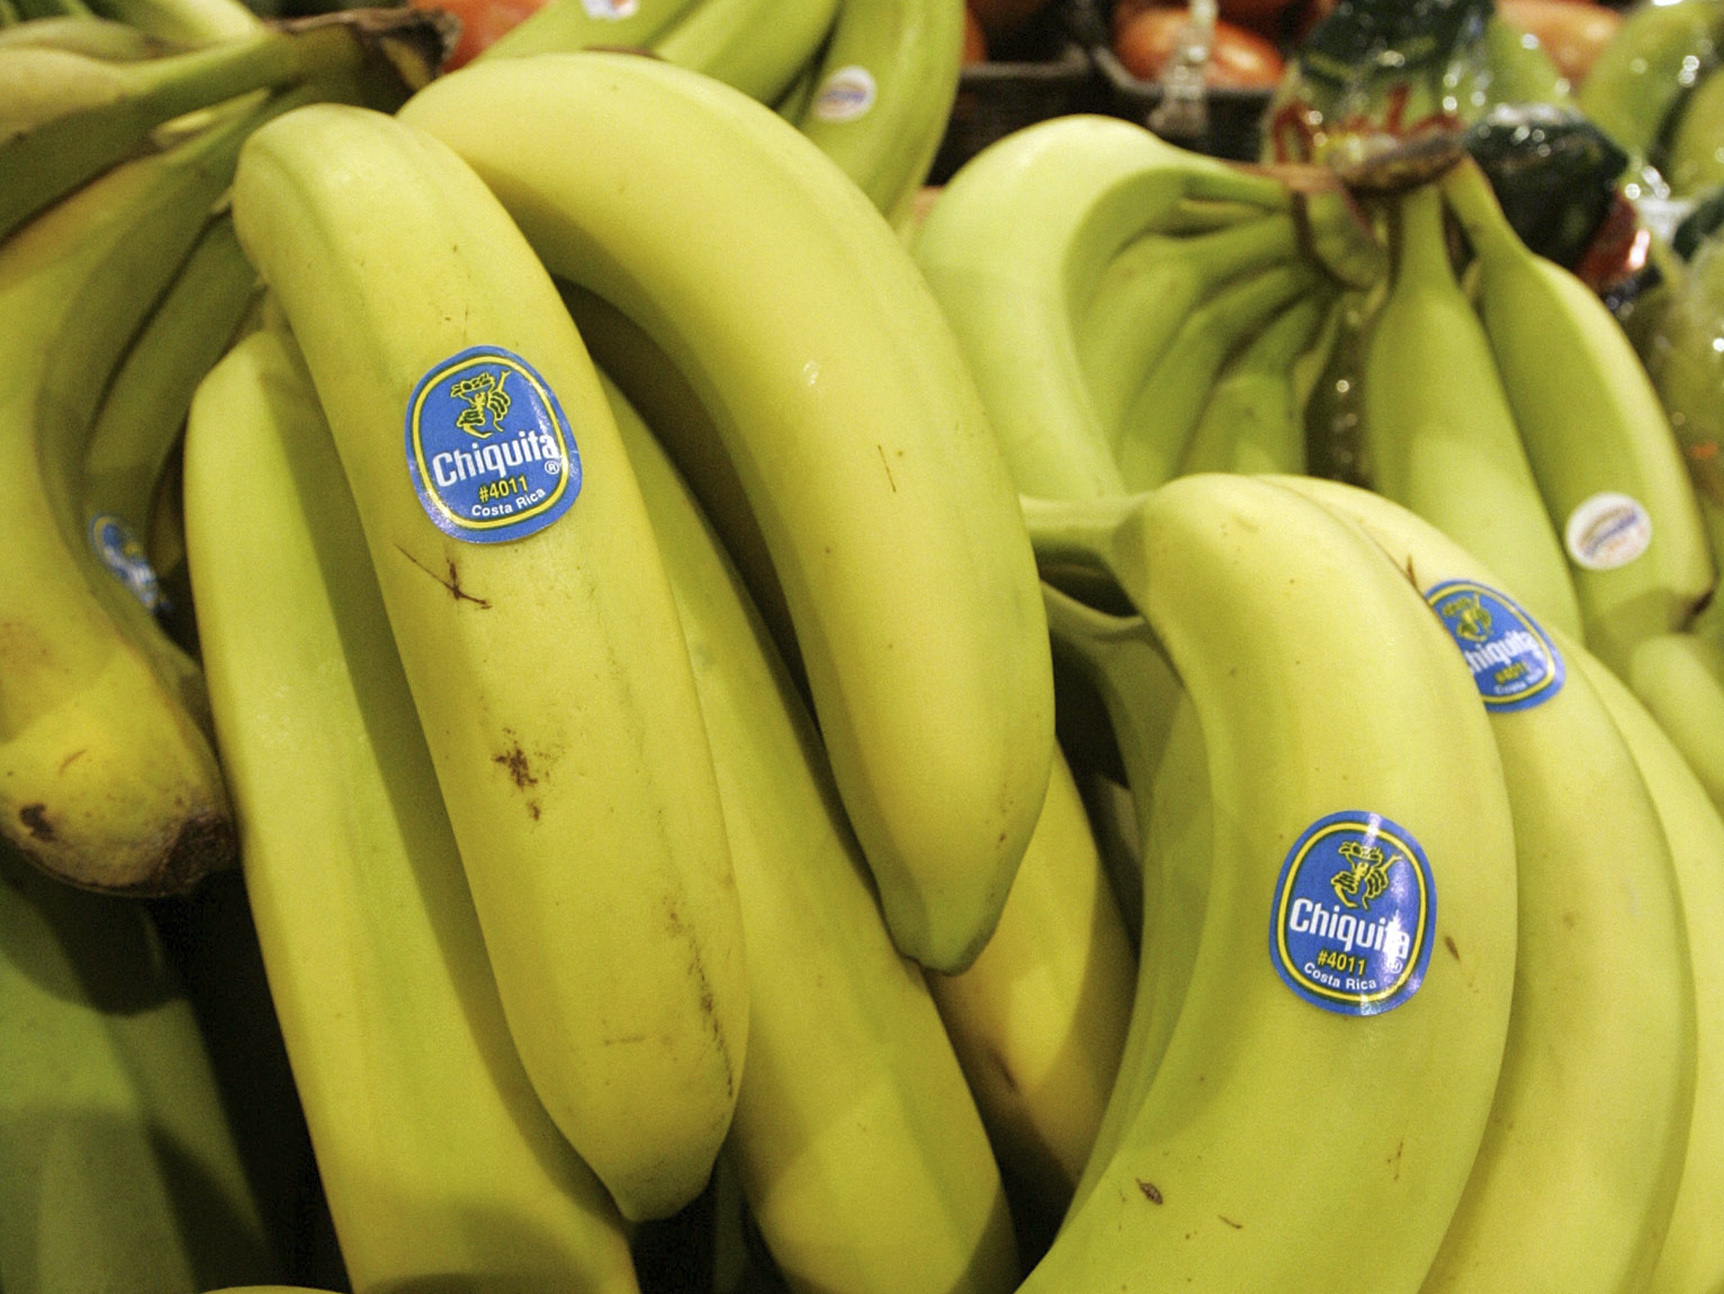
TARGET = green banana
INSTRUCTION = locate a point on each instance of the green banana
(67, 116)
(142, 415)
(1016, 243)
(1692, 164)
(1440, 434)
(582, 24)
(1147, 290)
(858, 1146)
(1576, 1179)
(107, 779)
(882, 94)
(1253, 419)
(1165, 412)
(1679, 677)
(435, 1154)
(1039, 1019)
(1691, 1259)
(1636, 84)
(758, 47)
(86, 34)
(118, 1165)
(1321, 1077)
(1600, 444)
(847, 415)
(536, 629)
(189, 22)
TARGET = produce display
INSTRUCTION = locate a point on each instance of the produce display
(627, 666)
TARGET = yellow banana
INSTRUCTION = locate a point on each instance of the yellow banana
(105, 777)
(758, 47)
(1344, 1067)
(845, 411)
(143, 412)
(883, 87)
(1440, 435)
(856, 1141)
(435, 1154)
(1577, 1175)
(1039, 1019)
(1691, 1260)
(1017, 241)
(536, 629)
(1600, 443)
(1160, 420)
(1679, 677)
(1253, 419)
(581, 24)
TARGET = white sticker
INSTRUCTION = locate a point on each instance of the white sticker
(610, 10)
(845, 95)
(1608, 530)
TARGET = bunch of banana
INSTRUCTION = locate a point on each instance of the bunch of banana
(872, 82)
(1124, 303)
(840, 426)
(1344, 1067)
(119, 1168)
(122, 282)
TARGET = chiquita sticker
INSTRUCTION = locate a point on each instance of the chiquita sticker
(1514, 663)
(121, 552)
(488, 447)
(1355, 913)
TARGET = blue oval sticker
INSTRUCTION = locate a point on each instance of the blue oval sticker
(1514, 663)
(120, 550)
(489, 450)
(1355, 913)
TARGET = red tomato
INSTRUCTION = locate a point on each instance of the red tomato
(975, 38)
(1144, 41)
(482, 21)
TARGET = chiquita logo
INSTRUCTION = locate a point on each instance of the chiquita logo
(1514, 663)
(1355, 912)
(488, 447)
(120, 550)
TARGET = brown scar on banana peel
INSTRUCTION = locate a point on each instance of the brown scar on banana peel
(450, 581)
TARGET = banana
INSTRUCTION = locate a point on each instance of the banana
(1019, 238)
(189, 22)
(1679, 677)
(119, 1167)
(1253, 419)
(105, 776)
(845, 411)
(1334, 1075)
(536, 629)
(142, 415)
(884, 84)
(758, 47)
(1691, 1260)
(1440, 435)
(435, 1154)
(1162, 748)
(1691, 162)
(86, 34)
(1039, 1019)
(66, 116)
(1576, 1178)
(1639, 79)
(1600, 443)
(582, 24)
(857, 1144)
(1163, 416)
(1154, 283)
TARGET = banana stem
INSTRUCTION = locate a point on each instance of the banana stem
(1467, 191)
